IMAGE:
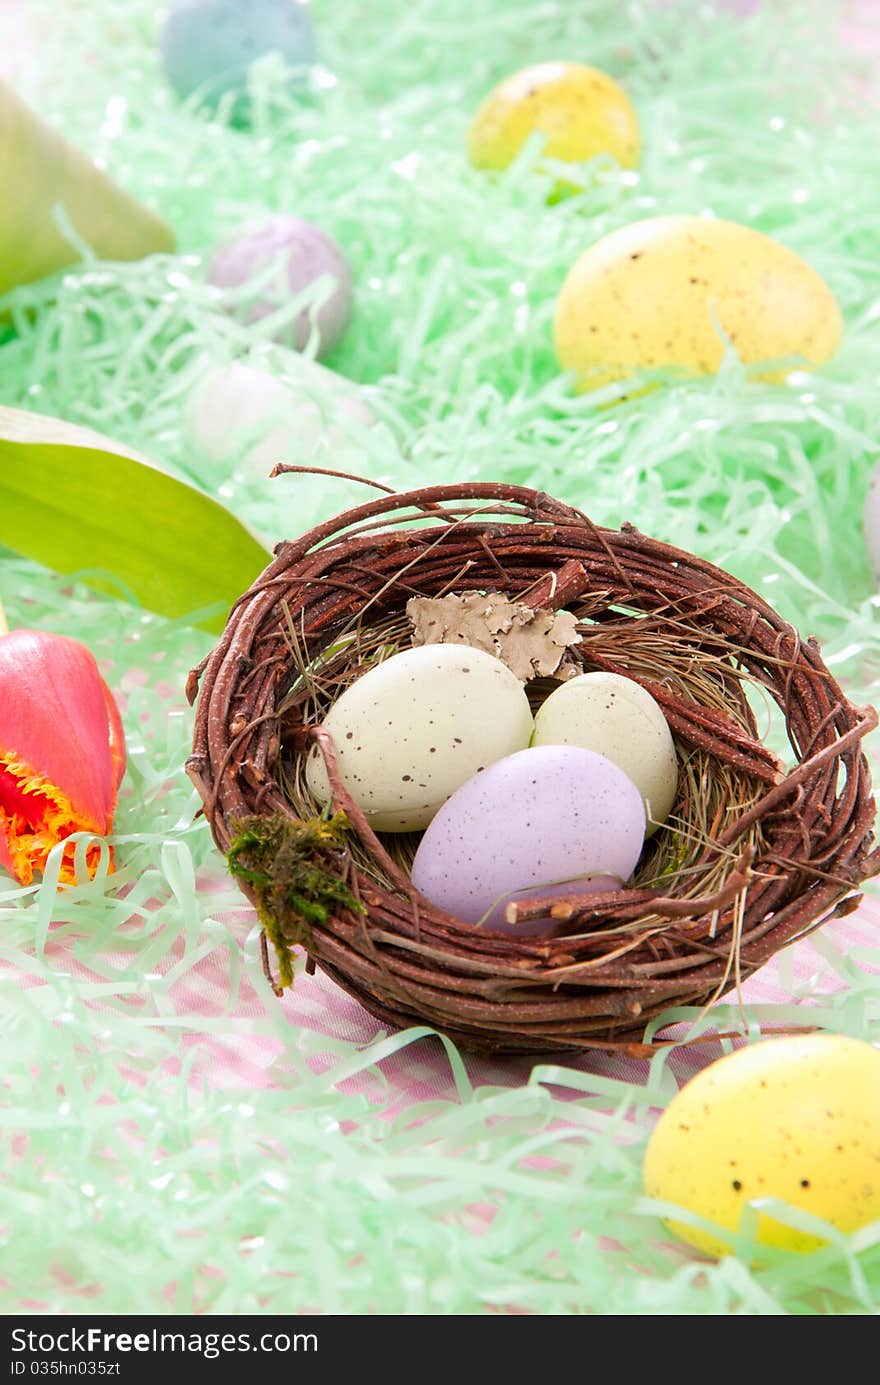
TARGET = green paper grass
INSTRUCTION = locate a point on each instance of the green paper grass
(157, 1188)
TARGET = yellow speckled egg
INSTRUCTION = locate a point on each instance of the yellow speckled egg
(581, 111)
(667, 291)
(796, 1119)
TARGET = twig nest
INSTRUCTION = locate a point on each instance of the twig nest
(754, 853)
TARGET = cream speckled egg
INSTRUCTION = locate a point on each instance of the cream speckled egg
(581, 111)
(656, 293)
(413, 728)
(796, 1119)
(616, 718)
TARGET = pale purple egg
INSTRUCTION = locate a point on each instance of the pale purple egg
(301, 254)
(551, 814)
(872, 524)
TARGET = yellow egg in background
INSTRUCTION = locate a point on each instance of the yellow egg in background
(581, 111)
(796, 1119)
(669, 290)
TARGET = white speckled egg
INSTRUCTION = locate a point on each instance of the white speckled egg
(416, 726)
(617, 718)
(530, 822)
(250, 417)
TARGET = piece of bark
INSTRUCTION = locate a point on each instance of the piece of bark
(532, 643)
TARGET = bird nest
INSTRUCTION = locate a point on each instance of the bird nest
(755, 854)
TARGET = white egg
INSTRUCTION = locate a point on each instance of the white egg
(287, 409)
(617, 718)
(872, 524)
(415, 727)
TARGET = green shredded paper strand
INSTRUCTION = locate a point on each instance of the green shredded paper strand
(130, 1187)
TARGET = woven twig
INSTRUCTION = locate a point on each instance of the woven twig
(755, 854)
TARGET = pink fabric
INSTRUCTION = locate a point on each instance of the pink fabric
(320, 1011)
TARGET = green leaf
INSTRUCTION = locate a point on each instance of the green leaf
(80, 503)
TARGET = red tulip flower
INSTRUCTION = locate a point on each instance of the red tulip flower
(62, 751)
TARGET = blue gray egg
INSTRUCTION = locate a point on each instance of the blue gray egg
(209, 45)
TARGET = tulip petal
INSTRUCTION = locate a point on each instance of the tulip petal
(62, 750)
(6, 860)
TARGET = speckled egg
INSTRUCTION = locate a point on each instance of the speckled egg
(617, 718)
(872, 524)
(581, 111)
(554, 820)
(283, 258)
(415, 727)
(208, 45)
(796, 1119)
(251, 416)
(668, 291)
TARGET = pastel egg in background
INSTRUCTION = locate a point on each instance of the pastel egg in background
(872, 524)
(669, 290)
(582, 112)
(282, 258)
(282, 408)
(534, 824)
(209, 45)
(619, 719)
(414, 727)
(794, 1118)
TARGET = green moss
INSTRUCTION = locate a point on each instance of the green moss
(293, 869)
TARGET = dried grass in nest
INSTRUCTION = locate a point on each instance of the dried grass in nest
(754, 855)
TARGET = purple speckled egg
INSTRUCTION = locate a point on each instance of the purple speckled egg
(285, 256)
(537, 818)
(872, 524)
